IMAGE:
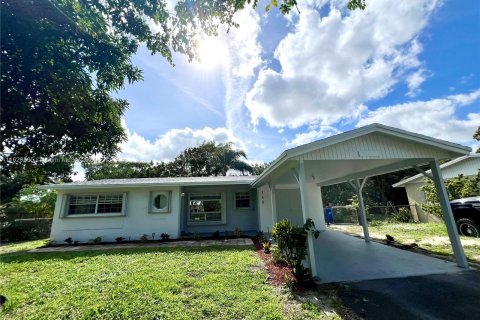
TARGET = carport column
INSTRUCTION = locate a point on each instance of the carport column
(363, 214)
(448, 215)
(312, 207)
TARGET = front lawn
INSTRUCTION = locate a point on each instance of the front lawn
(166, 283)
(429, 236)
(21, 246)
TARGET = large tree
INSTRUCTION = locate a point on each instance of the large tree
(62, 59)
(204, 160)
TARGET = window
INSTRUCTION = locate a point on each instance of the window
(242, 200)
(207, 208)
(160, 202)
(96, 204)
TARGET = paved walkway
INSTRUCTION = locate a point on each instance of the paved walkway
(169, 244)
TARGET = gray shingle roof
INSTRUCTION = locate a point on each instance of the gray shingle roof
(180, 181)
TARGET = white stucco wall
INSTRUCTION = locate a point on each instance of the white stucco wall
(136, 222)
(265, 208)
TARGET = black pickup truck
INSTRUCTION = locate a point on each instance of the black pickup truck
(466, 212)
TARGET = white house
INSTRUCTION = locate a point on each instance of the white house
(289, 188)
(467, 165)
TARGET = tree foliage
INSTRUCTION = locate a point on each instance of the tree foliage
(378, 190)
(476, 136)
(35, 202)
(457, 188)
(56, 170)
(206, 159)
(258, 168)
(62, 59)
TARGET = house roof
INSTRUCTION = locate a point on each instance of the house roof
(141, 182)
(452, 149)
(419, 177)
(348, 135)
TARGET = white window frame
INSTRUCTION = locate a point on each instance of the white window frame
(223, 211)
(67, 198)
(153, 194)
(235, 200)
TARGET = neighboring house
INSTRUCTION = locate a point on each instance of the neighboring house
(467, 165)
(289, 188)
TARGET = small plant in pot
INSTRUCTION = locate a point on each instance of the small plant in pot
(69, 240)
(266, 246)
(164, 236)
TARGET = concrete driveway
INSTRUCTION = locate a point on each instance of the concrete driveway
(342, 257)
(441, 296)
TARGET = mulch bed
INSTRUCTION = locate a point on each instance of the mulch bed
(278, 273)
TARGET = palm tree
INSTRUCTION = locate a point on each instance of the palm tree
(232, 159)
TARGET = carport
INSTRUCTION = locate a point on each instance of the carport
(353, 157)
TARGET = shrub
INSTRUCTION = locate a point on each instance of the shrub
(144, 238)
(260, 236)
(20, 230)
(164, 236)
(292, 243)
(97, 240)
(119, 239)
(69, 240)
(403, 215)
(238, 233)
(277, 254)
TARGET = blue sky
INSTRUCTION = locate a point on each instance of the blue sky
(277, 81)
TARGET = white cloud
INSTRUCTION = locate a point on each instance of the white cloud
(244, 58)
(172, 143)
(435, 118)
(312, 135)
(414, 81)
(333, 64)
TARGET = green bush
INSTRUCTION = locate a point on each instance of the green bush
(458, 187)
(24, 230)
(292, 243)
(403, 215)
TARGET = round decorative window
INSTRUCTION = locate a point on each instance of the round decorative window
(160, 201)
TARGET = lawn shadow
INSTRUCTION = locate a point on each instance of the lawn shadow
(23, 256)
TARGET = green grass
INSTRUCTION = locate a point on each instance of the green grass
(429, 236)
(21, 246)
(166, 283)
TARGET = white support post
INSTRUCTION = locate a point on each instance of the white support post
(274, 205)
(358, 186)
(312, 208)
(448, 215)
